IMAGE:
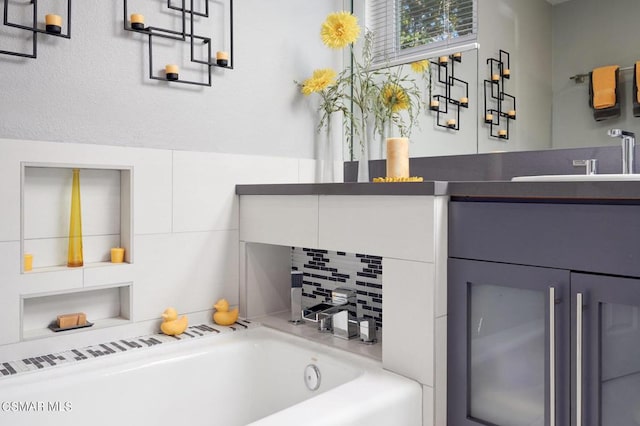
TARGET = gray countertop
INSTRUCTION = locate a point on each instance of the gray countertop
(604, 190)
(348, 188)
(601, 190)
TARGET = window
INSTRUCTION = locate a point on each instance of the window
(405, 30)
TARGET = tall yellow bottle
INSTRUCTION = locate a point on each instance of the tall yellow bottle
(74, 255)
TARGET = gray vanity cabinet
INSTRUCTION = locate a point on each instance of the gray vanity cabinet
(502, 320)
(606, 365)
(539, 334)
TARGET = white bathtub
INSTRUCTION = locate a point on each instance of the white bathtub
(254, 376)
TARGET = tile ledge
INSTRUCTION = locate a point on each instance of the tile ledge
(280, 321)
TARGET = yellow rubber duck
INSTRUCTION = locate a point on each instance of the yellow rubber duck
(223, 316)
(171, 325)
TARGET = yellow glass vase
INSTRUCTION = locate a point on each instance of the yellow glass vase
(74, 255)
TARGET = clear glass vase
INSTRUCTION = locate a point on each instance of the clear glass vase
(363, 163)
(330, 153)
(74, 254)
(364, 157)
(377, 141)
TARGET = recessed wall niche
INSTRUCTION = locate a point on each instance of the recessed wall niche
(106, 200)
(104, 306)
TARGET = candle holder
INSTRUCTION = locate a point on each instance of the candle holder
(171, 72)
(186, 15)
(53, 23)
(222, 59)
(446, 104)
(137, 21)
(53, 26)
(204, 14)
(496, 114)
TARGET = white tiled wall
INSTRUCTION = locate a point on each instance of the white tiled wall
(204, 186)
(9, 302)
(187, 270)
(185, 221)
(377, 223)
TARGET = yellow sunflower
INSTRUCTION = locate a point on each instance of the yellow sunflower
(339, 30)
(395, 97)
(420, 66)
(318, 81)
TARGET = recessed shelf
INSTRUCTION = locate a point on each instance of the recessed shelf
(39, 333)
(86, 266)
(106, 306)
(106, 199)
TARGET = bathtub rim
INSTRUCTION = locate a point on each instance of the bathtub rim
(179, 347)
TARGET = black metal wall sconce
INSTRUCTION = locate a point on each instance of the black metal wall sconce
(53, 26)
(498, 117)
(222, 59)
(440, 103)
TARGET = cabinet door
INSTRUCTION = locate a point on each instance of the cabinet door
(606, 350)
(508, 328)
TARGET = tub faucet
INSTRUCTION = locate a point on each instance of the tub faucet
(628, 148)
(296, 297)
(339, 317)
(344, 325)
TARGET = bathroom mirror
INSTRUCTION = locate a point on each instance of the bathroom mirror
(431, 135)
(589, 34)
(549, 42)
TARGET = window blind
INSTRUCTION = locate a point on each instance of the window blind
(406, 30)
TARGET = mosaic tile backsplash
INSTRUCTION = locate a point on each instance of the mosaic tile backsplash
(325, 270)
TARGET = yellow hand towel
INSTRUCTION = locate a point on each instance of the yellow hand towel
(604, 86)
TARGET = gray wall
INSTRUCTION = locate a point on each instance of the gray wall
(522, 28)
(588, 34)
(94, 88)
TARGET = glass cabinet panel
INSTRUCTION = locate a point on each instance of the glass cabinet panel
(609, 392)
(506, 328)
(507, 344)
(620, 378)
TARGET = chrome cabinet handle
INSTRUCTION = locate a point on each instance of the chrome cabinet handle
(552, 356)
(579, 359)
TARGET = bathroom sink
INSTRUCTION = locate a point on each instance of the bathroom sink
(576, 178)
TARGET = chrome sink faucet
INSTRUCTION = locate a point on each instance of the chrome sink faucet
(628, 148)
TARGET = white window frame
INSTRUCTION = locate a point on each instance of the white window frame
(435, 49)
